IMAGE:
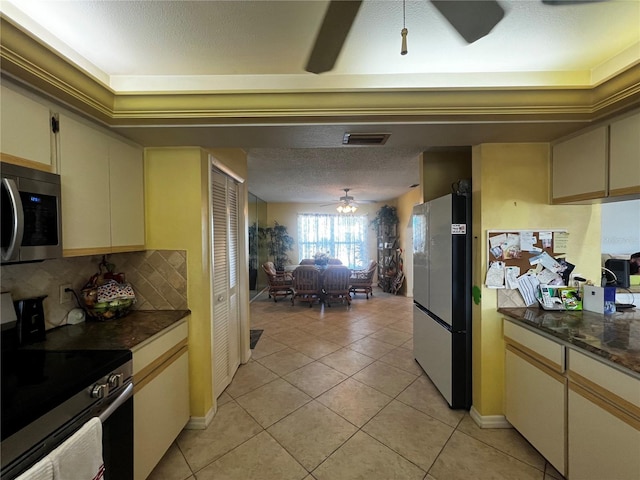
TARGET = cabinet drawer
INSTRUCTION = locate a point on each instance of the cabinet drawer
(608, 382)
(549, 353)
(155, 347)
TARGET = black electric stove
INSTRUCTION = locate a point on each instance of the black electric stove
(47, 395)
(34, 382)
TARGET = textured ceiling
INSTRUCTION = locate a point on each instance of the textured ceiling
(153, 44)
(372, 174)
(240, 45)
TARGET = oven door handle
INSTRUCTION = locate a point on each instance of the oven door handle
(126, 394)
(17, 225)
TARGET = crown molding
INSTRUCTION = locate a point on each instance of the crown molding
(29, 61)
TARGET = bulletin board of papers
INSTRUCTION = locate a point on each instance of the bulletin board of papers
(524, 259)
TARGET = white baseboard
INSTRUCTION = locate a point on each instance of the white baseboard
(200, 423)
(489, 421)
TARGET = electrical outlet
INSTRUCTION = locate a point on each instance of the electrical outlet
(65, 297)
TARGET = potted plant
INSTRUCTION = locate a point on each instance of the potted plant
(279, 242)
(387, 215)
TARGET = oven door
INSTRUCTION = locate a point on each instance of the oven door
(116, 415)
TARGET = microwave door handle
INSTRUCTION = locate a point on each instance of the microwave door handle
(18, 218)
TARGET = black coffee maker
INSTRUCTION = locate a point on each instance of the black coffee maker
(30, 323)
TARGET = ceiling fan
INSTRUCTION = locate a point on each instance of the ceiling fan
(472, 19)
(347, 203)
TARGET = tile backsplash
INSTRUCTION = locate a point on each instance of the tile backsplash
(158, 277)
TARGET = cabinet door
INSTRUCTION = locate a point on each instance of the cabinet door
(84, 175)
(160, 412)
(535, 405)
(26, 130)
(580, 167)
(603, 441)
(126, 179)
(624, 159)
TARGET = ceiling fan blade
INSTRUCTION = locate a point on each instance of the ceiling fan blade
(471, 19)
(332, 34)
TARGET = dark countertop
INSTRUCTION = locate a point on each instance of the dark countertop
(615, 338)
(120, 334)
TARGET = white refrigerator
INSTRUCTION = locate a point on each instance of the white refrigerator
(442, 294)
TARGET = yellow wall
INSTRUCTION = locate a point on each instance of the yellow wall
(177, 217)
(441, 168)
(510, 192)
(176, 193)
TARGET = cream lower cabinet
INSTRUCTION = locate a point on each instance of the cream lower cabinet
(603, 421)
(535, 392)
(161, 396)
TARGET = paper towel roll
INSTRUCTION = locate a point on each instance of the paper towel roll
(75, 316)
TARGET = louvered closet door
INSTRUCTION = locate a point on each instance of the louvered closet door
(224, 295)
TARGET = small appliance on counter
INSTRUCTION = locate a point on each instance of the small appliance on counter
(30, 323)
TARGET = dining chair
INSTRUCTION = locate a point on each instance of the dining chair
(306, 285)
(335, 261)
(307, 261)
(362, 280)
(335, 284)
(280, 283)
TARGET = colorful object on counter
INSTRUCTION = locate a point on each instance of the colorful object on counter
(107, 296)
(571, 298)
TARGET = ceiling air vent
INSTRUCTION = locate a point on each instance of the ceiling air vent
(365, 138)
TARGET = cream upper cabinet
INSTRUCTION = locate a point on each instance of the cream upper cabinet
(535, 390)
(603, 421)
(624, 156)
(102, 191)
(25, 125)
(126, 176)
(84, 176)
(601, 163)
(580, 167)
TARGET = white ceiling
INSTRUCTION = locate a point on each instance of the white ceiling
(263, 45)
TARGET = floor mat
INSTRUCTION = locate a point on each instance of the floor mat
(254, 336)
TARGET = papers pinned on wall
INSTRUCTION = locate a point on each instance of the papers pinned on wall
(522, 259)
(495, 275)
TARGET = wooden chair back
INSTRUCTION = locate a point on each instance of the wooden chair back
(336, 282)
(306, 284)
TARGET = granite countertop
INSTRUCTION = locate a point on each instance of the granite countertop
(615, 338)
(121, 334)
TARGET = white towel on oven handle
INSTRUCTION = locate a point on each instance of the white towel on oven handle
(80, 456)
(43, 470)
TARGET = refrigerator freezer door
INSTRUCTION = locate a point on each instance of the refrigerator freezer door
(432, 348)
(440, 258)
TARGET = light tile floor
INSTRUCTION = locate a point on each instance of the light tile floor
(335, 394)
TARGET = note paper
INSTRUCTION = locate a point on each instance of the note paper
(560, 242)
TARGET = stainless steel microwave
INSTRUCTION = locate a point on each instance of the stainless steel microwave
(31, 223)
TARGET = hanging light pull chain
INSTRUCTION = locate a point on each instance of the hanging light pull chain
(404, 32)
